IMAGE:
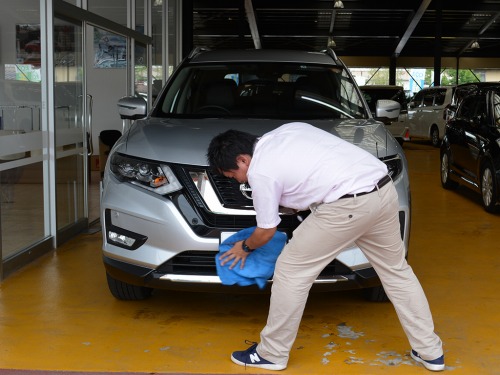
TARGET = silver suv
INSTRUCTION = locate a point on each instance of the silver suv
(164, 213)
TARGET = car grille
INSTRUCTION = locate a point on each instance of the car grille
(203, 221)
(203, 263)
(229, 193)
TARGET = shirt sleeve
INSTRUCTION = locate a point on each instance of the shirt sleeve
(266, 194)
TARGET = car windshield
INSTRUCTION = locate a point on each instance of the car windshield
(261, 90)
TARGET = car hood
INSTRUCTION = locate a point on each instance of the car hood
(185, 141)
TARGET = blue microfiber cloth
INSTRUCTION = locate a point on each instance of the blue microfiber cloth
(259, 264)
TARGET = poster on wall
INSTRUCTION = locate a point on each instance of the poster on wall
(110, 50)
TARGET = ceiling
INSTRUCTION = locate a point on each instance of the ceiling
(387, 28)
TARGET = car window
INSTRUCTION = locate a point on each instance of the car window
(265, 90)
(428, 99)
(417, 100)
(496, 108)
(467, 109)
(439, 97)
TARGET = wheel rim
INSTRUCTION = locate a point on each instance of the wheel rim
(444, 168)
(487, 187)
(435, 137)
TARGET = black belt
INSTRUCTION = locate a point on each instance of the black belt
(381, 183)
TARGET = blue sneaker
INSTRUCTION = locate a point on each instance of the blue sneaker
(251, 358)
(433, 365)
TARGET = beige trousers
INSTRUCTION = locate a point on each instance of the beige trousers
(371, 221)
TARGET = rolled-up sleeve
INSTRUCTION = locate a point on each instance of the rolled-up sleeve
(266, 194)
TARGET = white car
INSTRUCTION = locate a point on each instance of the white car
(427, 113)
(397, 126)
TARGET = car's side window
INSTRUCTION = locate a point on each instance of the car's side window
(417, 100)
(467, 109)
(428, 99)
(496, 108)
(481, 110)
(440, 96)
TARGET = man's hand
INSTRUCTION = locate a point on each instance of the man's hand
(259, 238)
(234, 255)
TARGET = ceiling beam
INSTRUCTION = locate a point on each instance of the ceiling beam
(253, 24)
(411, 27)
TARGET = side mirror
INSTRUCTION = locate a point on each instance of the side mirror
(387, 110)
(132, 107)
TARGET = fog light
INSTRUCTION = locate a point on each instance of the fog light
(121, 239)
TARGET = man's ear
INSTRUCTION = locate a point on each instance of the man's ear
(243, 158)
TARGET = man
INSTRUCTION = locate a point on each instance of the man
(351, 198)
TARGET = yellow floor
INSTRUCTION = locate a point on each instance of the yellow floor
(57, 313)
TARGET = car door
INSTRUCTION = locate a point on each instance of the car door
(414, 114)
(471, 151)
(456, 133)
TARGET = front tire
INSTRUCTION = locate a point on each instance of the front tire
(435, 136)
(446, 182)
(488, 188)
(127, 292)
(376, 294)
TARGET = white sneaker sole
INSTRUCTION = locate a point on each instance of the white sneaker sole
(427, 365)
(267, 366)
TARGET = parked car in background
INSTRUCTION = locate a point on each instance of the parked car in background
(470, 152)
(164, 212)
(426, 113)
(398, 126)
(463, 90)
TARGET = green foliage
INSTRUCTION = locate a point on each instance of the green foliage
(448, 77)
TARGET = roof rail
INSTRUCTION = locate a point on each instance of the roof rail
(331, 53)
(197, 50)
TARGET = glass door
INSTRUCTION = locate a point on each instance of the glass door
(72, 118)
(93, 68)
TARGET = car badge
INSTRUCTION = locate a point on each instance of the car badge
(246, 190)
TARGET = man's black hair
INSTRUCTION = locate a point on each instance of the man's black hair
(225, 147)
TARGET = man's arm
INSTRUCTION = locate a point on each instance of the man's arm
(259, 238)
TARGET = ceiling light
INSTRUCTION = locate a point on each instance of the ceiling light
(338, 4)
(475, 45)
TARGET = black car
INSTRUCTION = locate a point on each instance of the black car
(470, 152)
(462, 91)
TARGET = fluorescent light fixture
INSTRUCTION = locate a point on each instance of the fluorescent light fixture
(338, 4)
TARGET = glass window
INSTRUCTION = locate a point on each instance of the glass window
(21, 132)
(439, 97)
(428, 99)
(467, 109)
(417, 100)
(157, 69)
(141, 71)
(496, 108)
(271, 90)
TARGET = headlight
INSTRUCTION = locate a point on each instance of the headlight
(394, 166)
(151, 176)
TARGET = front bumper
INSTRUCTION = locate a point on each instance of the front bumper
(175, 246)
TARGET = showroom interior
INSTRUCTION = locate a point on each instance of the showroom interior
(67, 63)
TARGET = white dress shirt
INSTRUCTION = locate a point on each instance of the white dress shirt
(298, 165)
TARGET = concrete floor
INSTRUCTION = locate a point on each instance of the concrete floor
(57, 315)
